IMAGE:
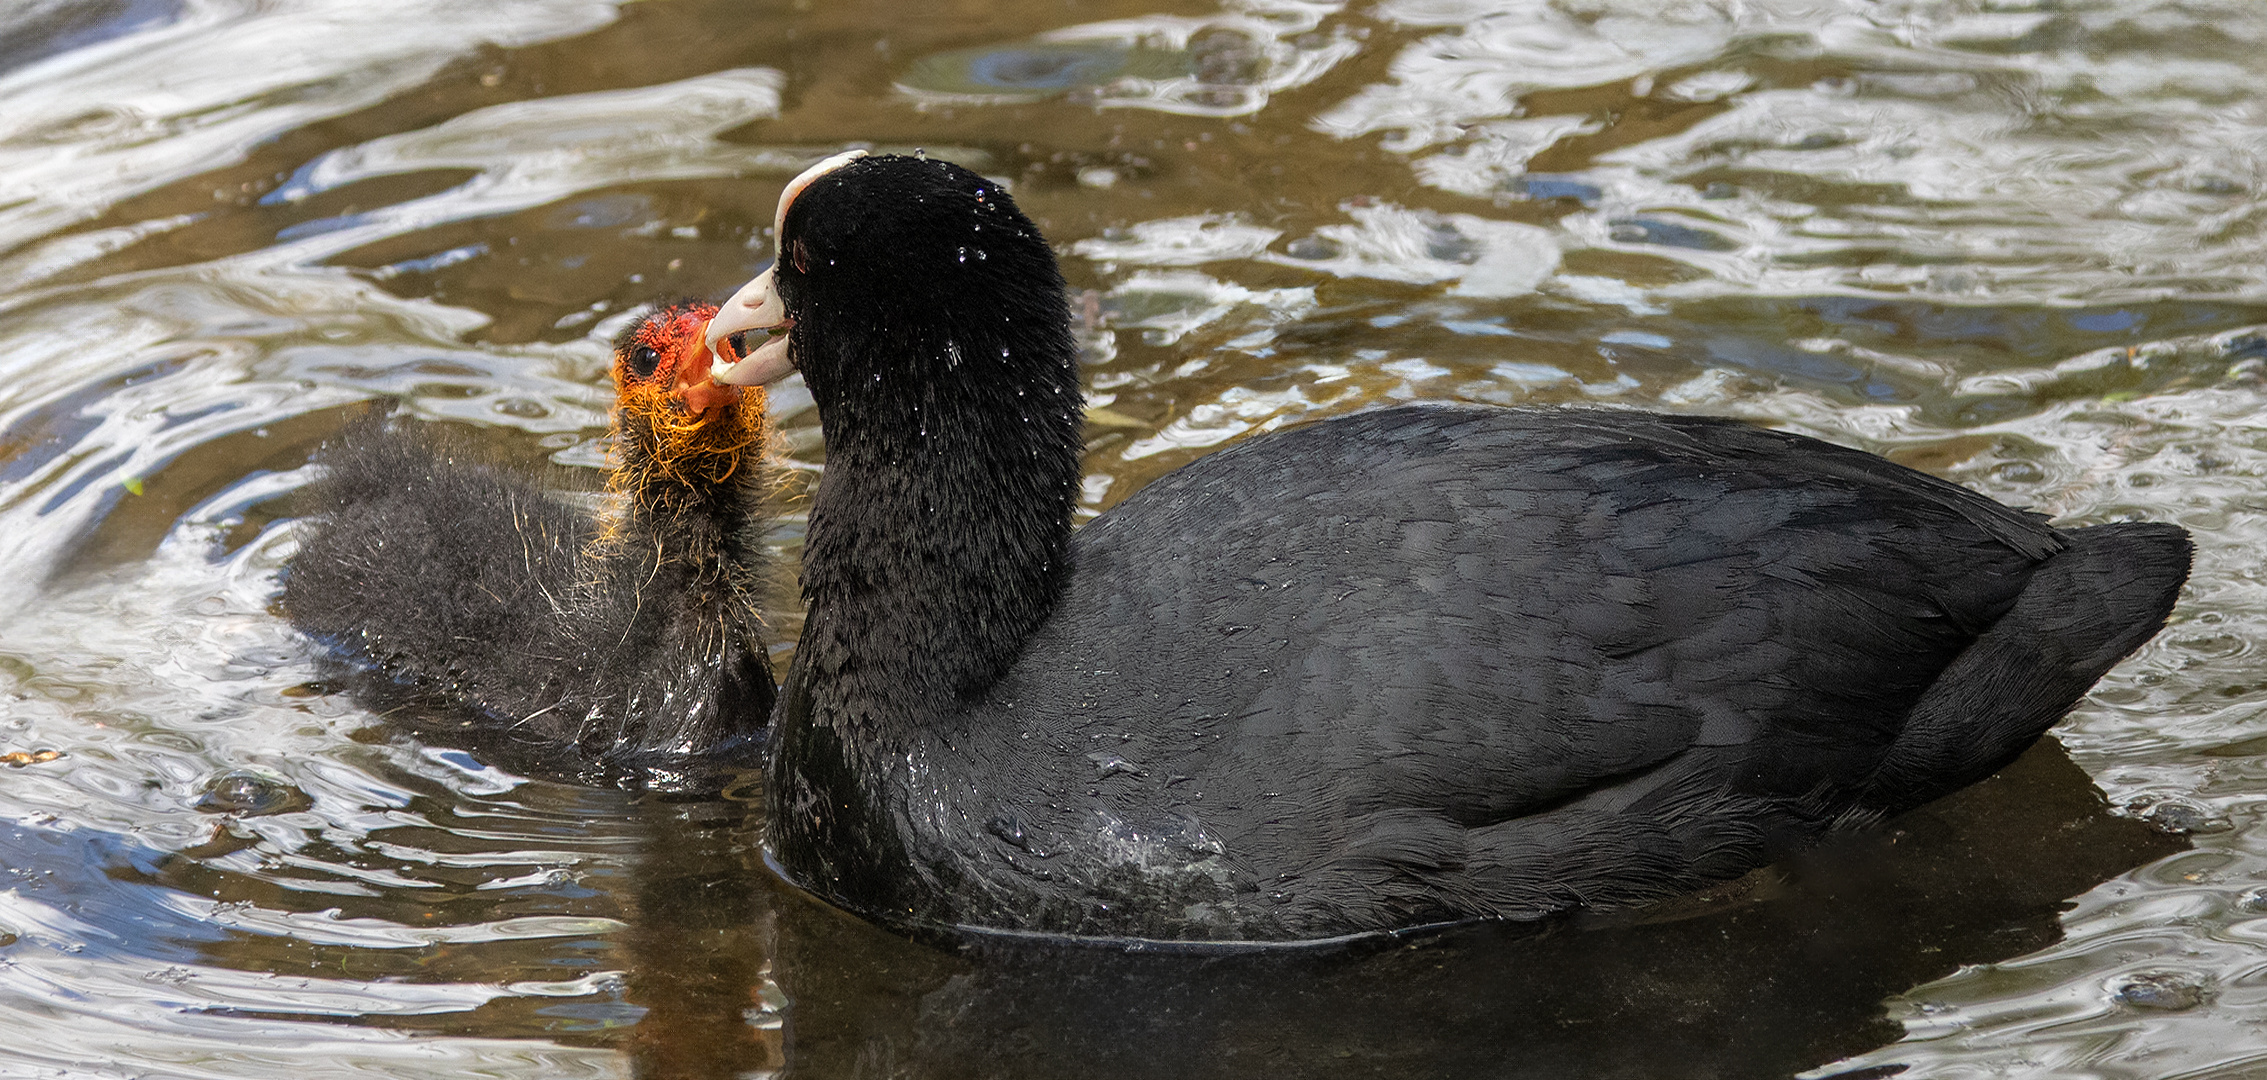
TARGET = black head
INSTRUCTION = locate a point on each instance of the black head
(901, 272)
(930, 324)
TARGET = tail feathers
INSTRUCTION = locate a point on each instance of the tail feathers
(2084, 609)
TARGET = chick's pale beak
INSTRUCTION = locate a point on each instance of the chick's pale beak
(755, 307)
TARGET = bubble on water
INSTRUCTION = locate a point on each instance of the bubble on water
(2167, 991)
(2179, 816)
(2019, 472)
(1223, 66)
(1027, 71)
(1444, 242)
(1649, 231)
(252, 793)
(1547, 186)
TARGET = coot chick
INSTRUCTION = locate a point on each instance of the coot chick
(623, 644)
(1398, 668)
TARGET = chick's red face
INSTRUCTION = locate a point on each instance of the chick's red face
(672, 421)
(663, 359)
(659, 348)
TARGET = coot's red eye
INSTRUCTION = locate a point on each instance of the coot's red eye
(801, 257)
(642, 361)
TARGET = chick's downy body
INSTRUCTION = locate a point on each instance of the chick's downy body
(467, 594)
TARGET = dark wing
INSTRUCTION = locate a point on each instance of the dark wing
(1476, 615)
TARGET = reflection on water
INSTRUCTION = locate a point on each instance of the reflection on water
(2012, 242)
(1783, 970)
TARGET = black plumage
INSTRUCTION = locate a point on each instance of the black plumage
(624, 643)
(1409, 666)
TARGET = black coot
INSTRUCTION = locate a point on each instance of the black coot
(626, 642)
(1403, 667)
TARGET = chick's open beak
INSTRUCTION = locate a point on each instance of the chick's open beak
(702, 397)
(755, 307)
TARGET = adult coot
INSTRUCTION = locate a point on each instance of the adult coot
(1403, 667)
(626, 642)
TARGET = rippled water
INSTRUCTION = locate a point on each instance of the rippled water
(2014, 242)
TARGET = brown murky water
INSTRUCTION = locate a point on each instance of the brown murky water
(2014, 242)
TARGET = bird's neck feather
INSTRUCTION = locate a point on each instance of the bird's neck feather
(938, 543)
(939, 538)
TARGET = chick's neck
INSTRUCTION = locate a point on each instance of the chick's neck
(690, 487)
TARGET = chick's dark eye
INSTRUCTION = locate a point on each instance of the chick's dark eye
(642, 360)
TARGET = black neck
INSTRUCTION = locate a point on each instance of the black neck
(932, 328)
(938, 541)
(939, 537)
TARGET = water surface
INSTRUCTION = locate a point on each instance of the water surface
(2016, 243)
